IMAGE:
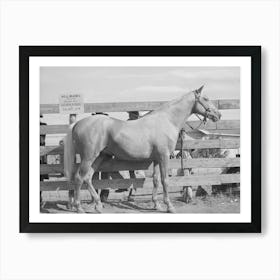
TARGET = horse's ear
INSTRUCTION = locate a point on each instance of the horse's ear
(198, 91)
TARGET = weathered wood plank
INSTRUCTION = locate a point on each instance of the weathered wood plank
(49, 108)
(221, 125)
(197, 134)
(219, 132)
(187, 144)
(228, 104)
(122, 106)
(208, 144)
(51, 150)
(146, 182)
(54, 129)
(121, 165)
(131, 106)
(228, 124)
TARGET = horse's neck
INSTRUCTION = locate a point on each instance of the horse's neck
(180, 110)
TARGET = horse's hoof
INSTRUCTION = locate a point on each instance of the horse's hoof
(158, 207)
(70, 207)
(171, 209)
(130, 199)
(189, 200)
(80, 210)
(98, 207)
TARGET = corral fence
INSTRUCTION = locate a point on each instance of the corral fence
(224, 126)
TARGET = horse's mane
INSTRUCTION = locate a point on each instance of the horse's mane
(166, 105)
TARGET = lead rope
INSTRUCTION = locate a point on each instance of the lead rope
(182, 142)
(182, 161)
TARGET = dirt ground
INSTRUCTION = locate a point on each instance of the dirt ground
(56, 202)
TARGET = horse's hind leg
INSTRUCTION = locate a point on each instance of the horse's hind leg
(156, 185)
(84, 173)
(97, 201)
(163, 164)
(78, 184)
(88, 179)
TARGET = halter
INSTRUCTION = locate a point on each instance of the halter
(197, 99)
(207, 110)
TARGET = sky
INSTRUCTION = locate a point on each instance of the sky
(116, 84)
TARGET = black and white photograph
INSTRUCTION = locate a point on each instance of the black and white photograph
(136, 137)
(169, 143)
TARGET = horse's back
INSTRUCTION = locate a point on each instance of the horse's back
(93, 123)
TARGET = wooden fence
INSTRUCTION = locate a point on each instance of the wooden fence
(114, 165)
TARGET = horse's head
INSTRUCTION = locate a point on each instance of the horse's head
(203, 106)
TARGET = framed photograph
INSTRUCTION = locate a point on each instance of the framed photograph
(140, 139)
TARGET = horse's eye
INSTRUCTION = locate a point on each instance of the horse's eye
(206, 98)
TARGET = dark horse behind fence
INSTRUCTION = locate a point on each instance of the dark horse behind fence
(152, 137)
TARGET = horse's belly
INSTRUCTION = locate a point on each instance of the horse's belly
(131, 151)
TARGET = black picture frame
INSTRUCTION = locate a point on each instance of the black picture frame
(254, 52)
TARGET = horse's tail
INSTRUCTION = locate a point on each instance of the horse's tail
(69, 154)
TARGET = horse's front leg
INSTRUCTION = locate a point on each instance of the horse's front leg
(156, 185)
(163, 164)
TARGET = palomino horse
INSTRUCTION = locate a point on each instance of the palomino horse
(153, 137)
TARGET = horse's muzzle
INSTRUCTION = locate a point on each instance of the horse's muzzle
(214, 116)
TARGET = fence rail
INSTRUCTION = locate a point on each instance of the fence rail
(120, 165)
(192, 180)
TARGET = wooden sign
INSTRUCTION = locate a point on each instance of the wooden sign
(71, 104)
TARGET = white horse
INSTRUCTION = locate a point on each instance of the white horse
(153, 137)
